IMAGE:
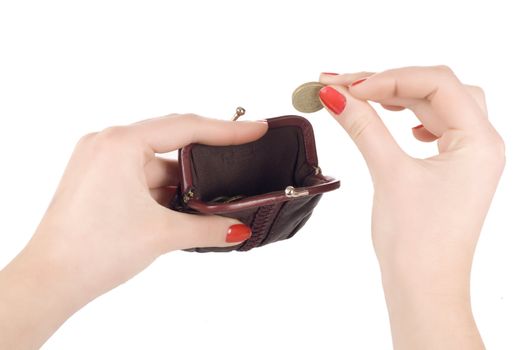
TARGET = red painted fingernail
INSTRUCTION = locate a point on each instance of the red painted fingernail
(329, 73)
(332, 99)
(417, 127)
(358, 81)
(238, 233)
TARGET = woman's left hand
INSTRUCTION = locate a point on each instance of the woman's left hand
(107, 222)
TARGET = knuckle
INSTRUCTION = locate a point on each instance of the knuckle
(112, 136)
(444, 74)
(443, 69)
(105, 143)
(357, 125)
(86, 139)
(477, 91)
(190, 118)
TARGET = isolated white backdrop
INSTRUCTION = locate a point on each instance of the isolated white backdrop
(68, 68)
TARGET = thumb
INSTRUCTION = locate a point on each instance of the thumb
(184, 231)
(364, 126)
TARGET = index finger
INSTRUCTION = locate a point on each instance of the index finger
(437, 88)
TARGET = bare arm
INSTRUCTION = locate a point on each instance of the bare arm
(107, 222)
(427, 213)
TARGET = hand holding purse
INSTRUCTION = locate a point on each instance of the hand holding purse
(272, 184)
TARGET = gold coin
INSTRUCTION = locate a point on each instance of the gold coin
(306, 97)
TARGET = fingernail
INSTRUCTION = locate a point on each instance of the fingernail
(358, 81)
(417, 127)
(238, 233)
(332, 99)
(329, 73)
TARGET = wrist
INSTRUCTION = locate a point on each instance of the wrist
(39, 295)
(428, 302)
(426, 263)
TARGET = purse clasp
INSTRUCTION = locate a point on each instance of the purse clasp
(238, 113)
(292, 192)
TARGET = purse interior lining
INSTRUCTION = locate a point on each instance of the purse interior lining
(272, 163)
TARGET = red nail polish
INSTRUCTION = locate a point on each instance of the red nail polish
(328, 73)
(238, 233)
(417, 127)
(333, 99)
(358, 81)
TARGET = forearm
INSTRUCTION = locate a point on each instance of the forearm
(36, 297)
(430, 310)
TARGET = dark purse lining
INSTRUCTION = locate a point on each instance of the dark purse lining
(272, 163)
(259, 172)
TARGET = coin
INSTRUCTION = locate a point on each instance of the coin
(306, 97)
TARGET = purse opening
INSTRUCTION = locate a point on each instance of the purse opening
(275, 161)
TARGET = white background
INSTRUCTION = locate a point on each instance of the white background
(68, 68)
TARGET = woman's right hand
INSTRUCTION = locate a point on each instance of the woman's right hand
(427, 213)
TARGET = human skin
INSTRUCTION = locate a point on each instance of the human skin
(427, 213)
(106, 223)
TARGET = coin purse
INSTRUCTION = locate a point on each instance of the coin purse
(272, 184)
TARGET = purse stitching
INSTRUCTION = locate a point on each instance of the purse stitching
(261, 225)
(275, 220)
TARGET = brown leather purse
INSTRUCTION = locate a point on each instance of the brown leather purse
(272, 184)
